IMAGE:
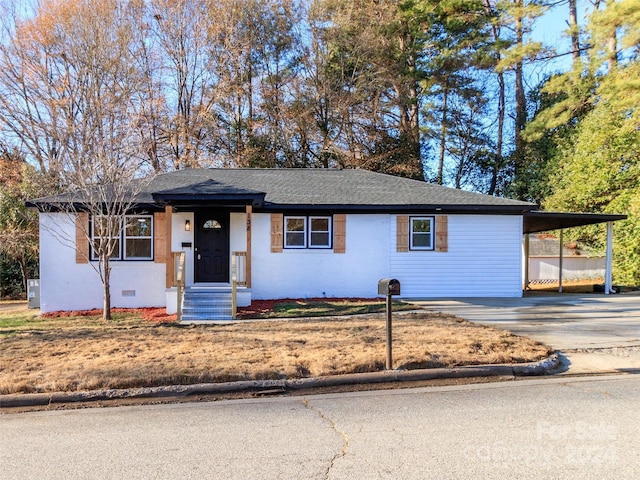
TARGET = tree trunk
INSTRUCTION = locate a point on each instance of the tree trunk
(612, 51)
(521, 103)
(250, 100)
(443, 133)
(22, 261)
(409, 105)
(497, 164)
(575, 33)
(414, 116)
(459, 172)
(106, 305)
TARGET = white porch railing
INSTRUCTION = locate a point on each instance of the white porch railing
(238, 277)
(179, 279)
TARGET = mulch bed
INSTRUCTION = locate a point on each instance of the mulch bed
(160, 315)
(259, 307)
(151, 314)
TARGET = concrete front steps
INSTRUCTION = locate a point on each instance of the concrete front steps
(202, 304)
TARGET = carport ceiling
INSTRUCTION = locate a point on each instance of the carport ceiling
(537, 221)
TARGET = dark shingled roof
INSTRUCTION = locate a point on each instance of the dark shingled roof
(334, 191)
(319, 188)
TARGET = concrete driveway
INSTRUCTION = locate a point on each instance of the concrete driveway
(596, 333)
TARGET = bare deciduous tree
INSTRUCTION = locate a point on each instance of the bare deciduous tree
(72, 97)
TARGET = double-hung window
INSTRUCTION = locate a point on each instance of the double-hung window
(138, 238)
(307, 232)
(421, 235)
(133, 242)
(319, 232)
(295, 232)
(105, 237)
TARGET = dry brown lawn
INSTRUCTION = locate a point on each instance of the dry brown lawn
(81, 354)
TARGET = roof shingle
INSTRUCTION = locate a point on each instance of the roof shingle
(297, 188)
(325, 187)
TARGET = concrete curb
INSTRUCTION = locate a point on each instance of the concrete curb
(542, 367)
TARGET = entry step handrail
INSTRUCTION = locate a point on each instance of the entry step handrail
(179, 279)
(238, 277)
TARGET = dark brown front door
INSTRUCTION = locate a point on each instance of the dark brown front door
(211, 246)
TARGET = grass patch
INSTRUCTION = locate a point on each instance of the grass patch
(81, 353)
(318, 307)
(21, 321)
(305, 308)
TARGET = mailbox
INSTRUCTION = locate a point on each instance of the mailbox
(388, 286)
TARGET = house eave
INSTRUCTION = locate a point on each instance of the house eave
(209, 199)
(73, 207)
(417, 208)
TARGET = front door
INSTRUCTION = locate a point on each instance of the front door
(211, 246)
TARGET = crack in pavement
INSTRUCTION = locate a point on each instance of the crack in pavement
(332, 423)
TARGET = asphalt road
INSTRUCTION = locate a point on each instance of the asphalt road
(562, 427)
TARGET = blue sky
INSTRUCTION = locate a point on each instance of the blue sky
(550, 30)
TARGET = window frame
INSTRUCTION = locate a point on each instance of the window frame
(122, 238)
(126, 237)
(432, 223)
(94, 237)
(307, 232)
(287, 231)
(329, 231)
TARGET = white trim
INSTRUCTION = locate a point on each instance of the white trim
(295, 232)
(125, 237)
(94, 238)
(431, 245)
(122, 238)
(329, 231)
(307, 232)
(608, 272)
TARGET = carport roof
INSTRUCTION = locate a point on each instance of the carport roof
(540, 221)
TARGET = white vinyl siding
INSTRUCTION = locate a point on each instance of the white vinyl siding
(483, 260)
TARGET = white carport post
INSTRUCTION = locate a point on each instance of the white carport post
(560, 260)
(608, 269)
(526, 262)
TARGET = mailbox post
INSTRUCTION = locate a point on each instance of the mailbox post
(389, 287)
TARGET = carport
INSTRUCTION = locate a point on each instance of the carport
(539, 221)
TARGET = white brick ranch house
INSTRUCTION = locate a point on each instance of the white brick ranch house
(293, 233)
